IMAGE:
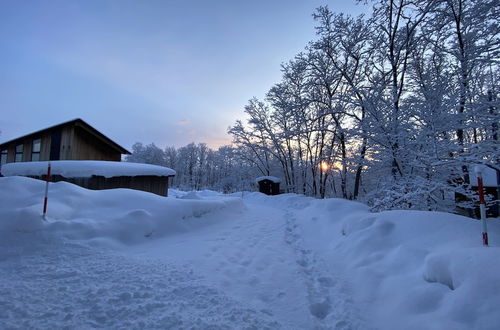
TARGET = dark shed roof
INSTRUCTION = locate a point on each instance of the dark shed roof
(79, 123)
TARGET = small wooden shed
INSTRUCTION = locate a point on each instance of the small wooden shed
(98, 175)
(269, 185)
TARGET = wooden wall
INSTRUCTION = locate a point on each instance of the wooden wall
(76, 144)
(67, 143)
(28, 144)
(45, 146)
(154, 184)
(88, 147)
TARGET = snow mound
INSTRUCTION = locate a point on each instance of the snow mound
(121, 214)
(190, 195)
(245, 260)
(85, 168)
(172, 192)
(428, 268)
(268, 177)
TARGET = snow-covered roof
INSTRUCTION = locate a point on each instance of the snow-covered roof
(489, 176)
(270, 178)
(85, 168)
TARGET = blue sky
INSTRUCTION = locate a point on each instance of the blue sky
(168, 72)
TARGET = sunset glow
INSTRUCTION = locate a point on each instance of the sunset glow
(324, 166)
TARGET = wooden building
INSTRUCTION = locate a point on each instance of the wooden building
(81, 155)
(269, 185)
(72, 140)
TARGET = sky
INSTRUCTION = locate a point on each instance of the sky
(168, 72)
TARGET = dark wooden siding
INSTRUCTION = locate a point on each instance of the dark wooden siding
(65, 150)
(45, 146)
(87, 146)
(27, 150)
(76, 143)
(154, 184)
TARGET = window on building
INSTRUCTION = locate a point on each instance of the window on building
(19, 153)
(3, 157)
(35, 150)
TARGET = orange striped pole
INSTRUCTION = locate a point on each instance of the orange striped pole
(47, 180)
(482, 203)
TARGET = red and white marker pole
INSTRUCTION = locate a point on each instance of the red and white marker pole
(47, 180)
(482, 203)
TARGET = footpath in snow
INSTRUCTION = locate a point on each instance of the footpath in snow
(203, 260)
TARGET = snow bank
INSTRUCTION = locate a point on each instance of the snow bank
(270, 178)
(85, 168)
(408, 269)
(121, 214)
(388, 270)
(202, 194)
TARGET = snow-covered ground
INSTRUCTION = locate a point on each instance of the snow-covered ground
(128, 259)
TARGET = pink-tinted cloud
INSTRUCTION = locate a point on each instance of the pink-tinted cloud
(182, 122)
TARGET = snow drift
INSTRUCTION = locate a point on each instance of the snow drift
(409, 269)
(241, 260)
(124, 215)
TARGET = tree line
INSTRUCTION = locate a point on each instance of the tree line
(398, 105)
(391, 108)
(199, 167)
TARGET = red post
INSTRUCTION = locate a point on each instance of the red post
(47, 180)
(482, 203)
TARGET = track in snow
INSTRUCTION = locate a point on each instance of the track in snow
(327, 295)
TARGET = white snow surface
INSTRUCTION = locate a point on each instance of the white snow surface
(85, 168)
(270, 178)
(125, 259)
(488, 174)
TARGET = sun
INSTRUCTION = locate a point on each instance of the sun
(324, 166)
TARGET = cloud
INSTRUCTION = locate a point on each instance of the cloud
(182, 122)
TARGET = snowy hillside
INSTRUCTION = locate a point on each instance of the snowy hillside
(128, 259)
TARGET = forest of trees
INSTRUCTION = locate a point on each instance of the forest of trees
(199, 167)
(392, 109)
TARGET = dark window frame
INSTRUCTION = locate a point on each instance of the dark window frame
(36, 153)
(19, 153)
(4, 154)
